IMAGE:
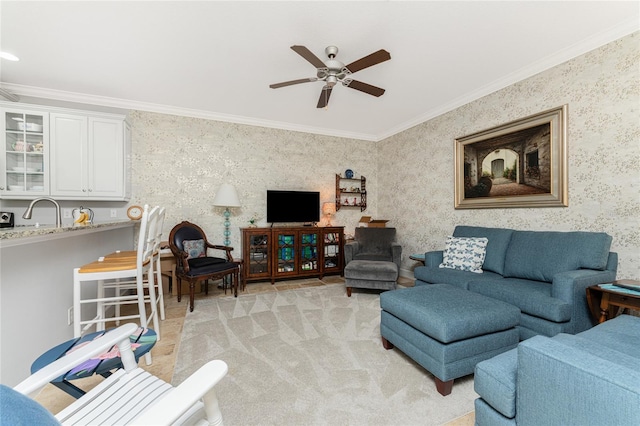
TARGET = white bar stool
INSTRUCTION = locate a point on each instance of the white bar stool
(118, 274)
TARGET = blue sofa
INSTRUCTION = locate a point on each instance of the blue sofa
(544, 274)
(591, 378)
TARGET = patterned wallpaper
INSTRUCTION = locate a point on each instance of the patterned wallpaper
(179, 162)
(602, 90)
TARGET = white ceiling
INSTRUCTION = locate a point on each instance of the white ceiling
(216, 59)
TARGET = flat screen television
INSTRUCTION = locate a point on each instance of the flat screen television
(293, 206)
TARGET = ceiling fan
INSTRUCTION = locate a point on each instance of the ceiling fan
(333, 71)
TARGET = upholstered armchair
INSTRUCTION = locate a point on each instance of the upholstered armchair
(372, 260)
(190, 247)
(374, 244)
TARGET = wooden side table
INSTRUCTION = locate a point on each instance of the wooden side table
(605, 300)
(242, 282)
(168, 267)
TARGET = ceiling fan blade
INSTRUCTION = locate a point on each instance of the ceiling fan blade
(292, 82)
(368, 61)
(324, 97)
(306, 53)
(364, 87)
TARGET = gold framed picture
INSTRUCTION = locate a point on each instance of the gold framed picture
(519, 164)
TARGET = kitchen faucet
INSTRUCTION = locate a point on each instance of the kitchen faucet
(27, 214)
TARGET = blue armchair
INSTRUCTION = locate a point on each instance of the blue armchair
(591, 378)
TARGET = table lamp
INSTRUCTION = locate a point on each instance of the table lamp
(329, 209)
(226, 197)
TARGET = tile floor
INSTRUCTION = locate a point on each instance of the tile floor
(164, 352)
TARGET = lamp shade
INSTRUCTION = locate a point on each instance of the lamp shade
(328, 208)
(226, 196)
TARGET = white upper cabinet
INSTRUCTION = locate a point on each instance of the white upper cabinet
(76, 155)
(87, 157)
(68, 158)
(106, 158)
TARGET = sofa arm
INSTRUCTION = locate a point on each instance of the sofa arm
(350, 249)
(571, 286)
(433, 258)
(568, 286)
(396, 254)
(560, 383)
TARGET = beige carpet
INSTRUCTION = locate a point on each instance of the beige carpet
(311, 356)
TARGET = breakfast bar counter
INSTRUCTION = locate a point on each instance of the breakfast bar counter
(29, 234)
(36, 285)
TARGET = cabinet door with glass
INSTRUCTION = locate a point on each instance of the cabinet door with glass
(285, 247)
(309, 252)
(296, 253)
(257, 253)
(332, 241)
(25, 153)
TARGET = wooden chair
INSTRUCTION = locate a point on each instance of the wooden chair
(194, 267)
(129, 396)
(115, 275)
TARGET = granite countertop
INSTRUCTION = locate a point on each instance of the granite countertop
(43, 230)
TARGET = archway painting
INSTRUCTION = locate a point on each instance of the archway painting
(519, 164)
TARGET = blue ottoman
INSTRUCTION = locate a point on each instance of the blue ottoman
(447, 330)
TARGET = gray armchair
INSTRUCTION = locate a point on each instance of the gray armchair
(373, 244)
(372, 260)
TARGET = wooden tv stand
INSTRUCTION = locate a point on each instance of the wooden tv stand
(292, 252)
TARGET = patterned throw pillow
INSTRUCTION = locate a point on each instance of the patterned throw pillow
(464, 253)
(194, 248)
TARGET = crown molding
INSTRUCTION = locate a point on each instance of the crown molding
(584, 46)
(126, 104)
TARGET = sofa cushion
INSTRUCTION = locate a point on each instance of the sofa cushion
(499, 239)
(495, 382)
(464, 253)
(486, 415)
(539, 255)
(371, 270)
(532, 297)
(532, 326)
(374, 257)
(375, 241)
(432, 275)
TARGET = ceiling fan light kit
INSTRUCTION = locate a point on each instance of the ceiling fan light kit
(333, 71)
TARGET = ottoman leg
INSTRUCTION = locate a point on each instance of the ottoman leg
(444, 388)
(348, 291)
(386, 344)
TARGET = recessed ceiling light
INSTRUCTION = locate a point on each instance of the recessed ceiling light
(8, 56)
